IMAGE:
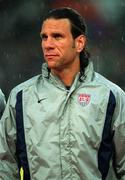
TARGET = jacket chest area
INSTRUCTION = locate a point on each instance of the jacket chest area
(80, 114)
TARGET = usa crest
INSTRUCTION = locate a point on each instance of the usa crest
(84, 99)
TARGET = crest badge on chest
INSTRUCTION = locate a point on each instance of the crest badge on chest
(84, 99)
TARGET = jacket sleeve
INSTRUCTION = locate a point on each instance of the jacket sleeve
(2, 103)
(8, 160)
(119, 136)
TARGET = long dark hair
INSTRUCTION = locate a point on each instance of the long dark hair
(78, 27)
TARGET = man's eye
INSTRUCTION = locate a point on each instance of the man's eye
(43, 37)
(57, 36)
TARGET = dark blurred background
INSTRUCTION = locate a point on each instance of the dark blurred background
(20, 24)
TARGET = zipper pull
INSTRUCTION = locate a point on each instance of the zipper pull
(21, 173)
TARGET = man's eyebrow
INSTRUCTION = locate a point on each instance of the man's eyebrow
(57, 34)
(53, 34)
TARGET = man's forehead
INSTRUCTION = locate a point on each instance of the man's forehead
(56, 24)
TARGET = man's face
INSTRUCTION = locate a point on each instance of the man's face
(58, 45)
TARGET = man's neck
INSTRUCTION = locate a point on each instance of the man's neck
(67, 76)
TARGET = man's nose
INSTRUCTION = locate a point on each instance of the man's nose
(49, 43)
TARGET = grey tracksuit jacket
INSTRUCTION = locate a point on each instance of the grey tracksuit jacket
(59, 134)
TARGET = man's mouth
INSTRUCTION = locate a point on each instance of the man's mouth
(49, 56)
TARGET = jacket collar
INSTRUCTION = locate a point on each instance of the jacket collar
(87, 77)
(89, 73)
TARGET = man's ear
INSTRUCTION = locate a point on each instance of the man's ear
(80, 43)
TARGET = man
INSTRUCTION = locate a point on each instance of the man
(2, 103)
(69, 122)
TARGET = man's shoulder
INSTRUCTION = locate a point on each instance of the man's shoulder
(25, 85)
(108, 84)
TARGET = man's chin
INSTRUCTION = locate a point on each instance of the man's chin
(51, 65)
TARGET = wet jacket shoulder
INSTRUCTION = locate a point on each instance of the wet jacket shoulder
(25, 85)
(119, 97)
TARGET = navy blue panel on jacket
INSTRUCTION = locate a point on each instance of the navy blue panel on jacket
(21, 145)
(107, 147)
